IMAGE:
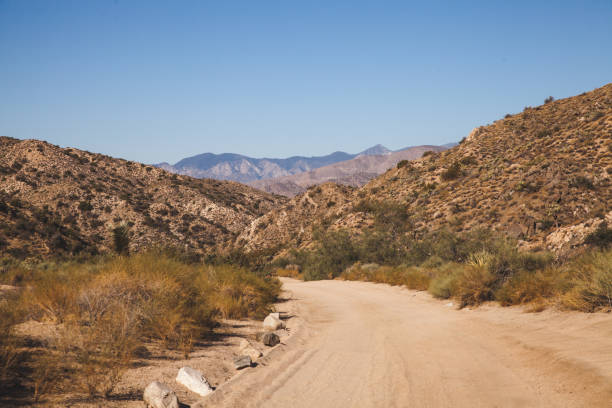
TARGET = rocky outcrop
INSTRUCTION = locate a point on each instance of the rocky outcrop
(564, 239)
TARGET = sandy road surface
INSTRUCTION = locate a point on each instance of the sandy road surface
(360, 344)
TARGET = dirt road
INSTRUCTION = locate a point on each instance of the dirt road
(360, 344)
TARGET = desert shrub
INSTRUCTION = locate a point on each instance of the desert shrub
(473, 285)
(442, 286)
(402, 163)
(52, 299)
(288, 273)
(469, 284)
(85, 206)
(443, 282)
(528, 186)
(411, 277)
(10, 315)
(528, 286)
(452, 172)
(595, 115)
(106, 308)
(543, 133)
(590, 278)
(334, 252)
(582, 182)
(121, 239)
(601, 237)
(549, 99)
(468, 160)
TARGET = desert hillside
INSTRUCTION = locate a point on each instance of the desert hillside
(355, 172)
(542, 176)
(63, 201)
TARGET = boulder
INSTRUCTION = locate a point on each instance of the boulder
(252, 352)
(270, 339)
(194, 381)
(244, 343)
(271, 322)
(247, 349)
(242, 362)
(158, 395)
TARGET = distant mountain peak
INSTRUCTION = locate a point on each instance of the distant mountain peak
(375, 150)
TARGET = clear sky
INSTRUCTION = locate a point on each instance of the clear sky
(161, 80)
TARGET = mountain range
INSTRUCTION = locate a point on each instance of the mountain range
(244, 169)
(354, 172)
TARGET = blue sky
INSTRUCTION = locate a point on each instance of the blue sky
(161, 80)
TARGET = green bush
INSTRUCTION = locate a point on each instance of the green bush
(334, 252)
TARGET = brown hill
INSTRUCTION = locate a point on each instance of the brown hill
(55, 200)
(542, 175)
(355, 172)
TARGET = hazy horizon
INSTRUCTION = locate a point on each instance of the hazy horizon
(157, 82)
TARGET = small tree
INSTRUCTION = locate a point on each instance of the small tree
(549, 99)
(121, 239)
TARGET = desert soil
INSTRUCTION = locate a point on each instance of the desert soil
(357, 344)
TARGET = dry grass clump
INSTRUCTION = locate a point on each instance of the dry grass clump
(10, 315)
(507, 276)
(590, 282)
(412, 277)
(478, 267)
(289, 273)
(106, 311)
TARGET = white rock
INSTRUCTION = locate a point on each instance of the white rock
(194, 381)
(252, 352)
(247, 349)
(244, 343)
(158, 395)
(273, 323)
(276, 314)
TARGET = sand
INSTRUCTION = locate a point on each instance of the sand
(357, 344)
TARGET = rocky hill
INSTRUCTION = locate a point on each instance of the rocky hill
(355, 172)
(236, 167)
(62, 201)
(542, 176)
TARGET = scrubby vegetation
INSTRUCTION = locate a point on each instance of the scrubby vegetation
(104, 312)
(471, 267)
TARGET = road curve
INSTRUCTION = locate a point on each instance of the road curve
(357, 344)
